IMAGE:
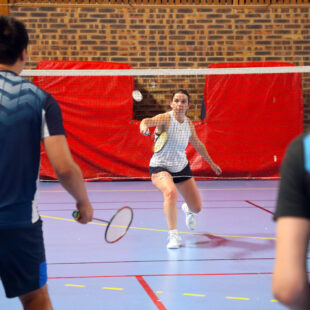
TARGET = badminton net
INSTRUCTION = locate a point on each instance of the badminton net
(245, 114)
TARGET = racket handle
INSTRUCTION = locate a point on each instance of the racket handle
(76, 214)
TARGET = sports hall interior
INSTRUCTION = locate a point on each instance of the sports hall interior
(227, 262)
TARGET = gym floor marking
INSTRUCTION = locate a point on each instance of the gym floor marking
(161, 292)
(239, 298)
(228, 259)
(113, 288)
(194, 295)
(156, 190)
(164, 230)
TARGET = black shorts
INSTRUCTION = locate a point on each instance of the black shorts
(22, 259)
(178, 177)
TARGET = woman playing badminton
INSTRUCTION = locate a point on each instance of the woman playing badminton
(169, 168)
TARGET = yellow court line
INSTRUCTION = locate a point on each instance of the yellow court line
(203, 234)
(57, 218)
(195, 295)
(74, 285)
(165, 230)
(113, 288)
(240, 298)
(156, 190)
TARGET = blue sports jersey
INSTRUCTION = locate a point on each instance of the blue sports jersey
(27, 114)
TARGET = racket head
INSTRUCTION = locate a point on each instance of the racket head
(119, 224)
(160, 142)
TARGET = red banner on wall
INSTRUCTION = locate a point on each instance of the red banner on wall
(250, 119)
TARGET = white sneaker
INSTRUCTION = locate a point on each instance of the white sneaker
(174, 240)
(190, 219)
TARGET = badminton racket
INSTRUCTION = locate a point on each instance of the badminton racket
(160, 142)
(117, 226)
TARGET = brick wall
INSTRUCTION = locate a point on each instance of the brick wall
(158, 36)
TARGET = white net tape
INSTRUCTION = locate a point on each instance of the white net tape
(156, 72)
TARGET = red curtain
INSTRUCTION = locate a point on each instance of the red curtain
(250, 119)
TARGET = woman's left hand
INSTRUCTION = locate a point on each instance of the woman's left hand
(217, 170)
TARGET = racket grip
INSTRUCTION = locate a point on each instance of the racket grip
(76, 214)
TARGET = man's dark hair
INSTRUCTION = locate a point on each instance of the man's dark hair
(13, 39)
(181, 91)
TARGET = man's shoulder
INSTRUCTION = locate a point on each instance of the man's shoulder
(297, 143)
(12, 80)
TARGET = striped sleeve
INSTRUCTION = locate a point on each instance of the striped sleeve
(52, 123)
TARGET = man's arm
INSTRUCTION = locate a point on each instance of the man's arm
(68, 173)
(290, 278)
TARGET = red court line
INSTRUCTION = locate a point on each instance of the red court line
(151, 294)
(257, 206)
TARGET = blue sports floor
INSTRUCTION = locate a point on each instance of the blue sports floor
(225, 264)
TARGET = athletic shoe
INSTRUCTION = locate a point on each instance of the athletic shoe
(174, 240)
(190, 219)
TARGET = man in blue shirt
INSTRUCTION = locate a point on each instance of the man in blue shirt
(28, 115)
(290, 278)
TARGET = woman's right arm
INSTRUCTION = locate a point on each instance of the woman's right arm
(158, 120)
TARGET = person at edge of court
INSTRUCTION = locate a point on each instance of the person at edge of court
(28, 115)
(290, 281)
(169, 168)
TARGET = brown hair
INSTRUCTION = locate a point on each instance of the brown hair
(181, 91)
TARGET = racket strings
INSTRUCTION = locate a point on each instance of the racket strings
(160, 141)
(119, 224)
